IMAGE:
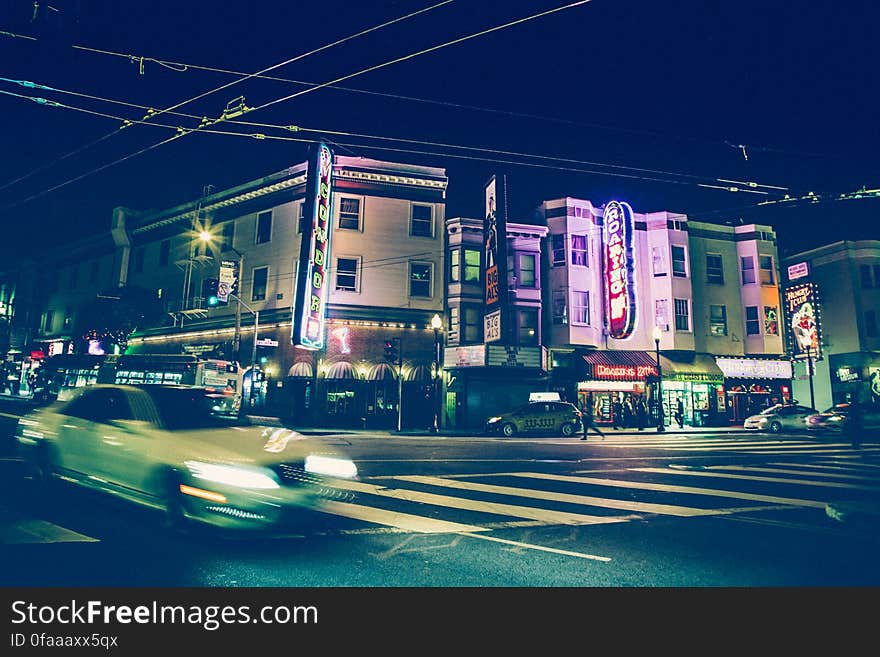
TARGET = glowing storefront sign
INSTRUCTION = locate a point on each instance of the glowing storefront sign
(620, 306)
(311, 289)
(802, 315)
(624, 372)
(754, 368)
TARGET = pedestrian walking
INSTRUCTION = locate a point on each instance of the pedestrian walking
(853, 424)
(589, 422)
(616, 414)
(679, 414)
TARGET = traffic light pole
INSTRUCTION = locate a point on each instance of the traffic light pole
(256, 314)
(399, 384)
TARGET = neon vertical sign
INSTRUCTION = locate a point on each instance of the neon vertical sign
(620, 306)
(310, 303)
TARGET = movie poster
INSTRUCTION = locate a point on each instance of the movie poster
(802, 314)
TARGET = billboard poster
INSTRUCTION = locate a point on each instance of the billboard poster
(495, 257)
(619, 270)
(802, 317)
(310, 299)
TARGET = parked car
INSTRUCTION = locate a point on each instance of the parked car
(555, 417)
(164, 446)
(834, 418)
(780, 417)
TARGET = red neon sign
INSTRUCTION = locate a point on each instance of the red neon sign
(625, 372)
(620, 306)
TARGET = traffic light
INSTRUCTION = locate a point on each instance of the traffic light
(210, 292)
(391, 351)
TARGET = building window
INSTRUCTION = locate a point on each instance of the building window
(714, 269)
(748, 269)
(68, 318)
(422, 221)
(871, 323)
(473, 324)
(865, 275)
(679, 266)
(658, 261)
(264, 227)
(560, 311)
(93, 275)
(527, 275)
(454, 325)
(753, 323)
(580, 308)
(259, 282)
(766, 264)
(347, 274)
(558, 244)
(454, 266)
(771, 320)
(164, 252)
(47, 325)
(528, 327)
(471, 266)
(661, 314)
(350, 213)
(579, 250)
(420, 279)
(228, 235)
(682, 315)
(718, 320)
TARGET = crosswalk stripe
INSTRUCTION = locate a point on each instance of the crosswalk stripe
(40, 531)
(789, 471)
(858, 465)
(622, 483)
(602, 502)
(548, 516)
(769, 446)
(407, 521)
(775, 480)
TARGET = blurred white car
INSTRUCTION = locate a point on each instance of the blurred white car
(833, 419)
(167, 447)
(779, 418)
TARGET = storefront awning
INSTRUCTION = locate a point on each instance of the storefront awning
(341, 370)
(301, 370)
(420, 373)
(621, 365)
(700, 368)
(382, 372)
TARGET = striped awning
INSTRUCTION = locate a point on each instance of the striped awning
(341, 370)
(301, 370)
(420, 373)
(382, 372)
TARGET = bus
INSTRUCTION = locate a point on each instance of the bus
(64, 373)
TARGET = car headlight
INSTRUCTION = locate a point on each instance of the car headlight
(231, 475)
(493, 420)
(330, 467)
(835, 418)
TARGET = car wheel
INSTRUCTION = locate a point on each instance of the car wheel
(775, 427)
(173, 515)
(508, 429)
(568, 429)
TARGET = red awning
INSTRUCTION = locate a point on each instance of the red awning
(621, 365)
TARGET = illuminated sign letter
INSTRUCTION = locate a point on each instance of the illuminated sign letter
(619, 269)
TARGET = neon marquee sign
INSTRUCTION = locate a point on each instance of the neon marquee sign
(620, 301)
(312, 285)
(626, 372)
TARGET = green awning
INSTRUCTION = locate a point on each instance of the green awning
(700, 368)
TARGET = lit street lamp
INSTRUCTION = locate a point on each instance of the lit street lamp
(660, 427)
(436, 324)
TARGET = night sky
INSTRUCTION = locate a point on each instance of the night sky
(639, 101)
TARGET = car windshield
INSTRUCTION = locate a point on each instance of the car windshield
(839, 409)
(181, 409)
(772, 410)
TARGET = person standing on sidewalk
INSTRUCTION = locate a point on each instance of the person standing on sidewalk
(853, 424)
(679, 413)
(641, 414)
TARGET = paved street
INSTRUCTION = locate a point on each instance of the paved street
(732, 509)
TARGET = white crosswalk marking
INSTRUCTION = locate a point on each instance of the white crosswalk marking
(407, 521)
(778, 480)
(29, 531)
(790, 471)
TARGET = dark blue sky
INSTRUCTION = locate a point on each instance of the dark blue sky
(655, 89)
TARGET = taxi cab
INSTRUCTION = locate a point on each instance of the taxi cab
(553, 417)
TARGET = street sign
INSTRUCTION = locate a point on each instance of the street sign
(267, 342)
(223, 291)
(492, 326)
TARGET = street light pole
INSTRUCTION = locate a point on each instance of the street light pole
(660, 425)
(436, 323)
(810, 374)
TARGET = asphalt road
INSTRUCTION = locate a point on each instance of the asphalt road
(672, 510)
